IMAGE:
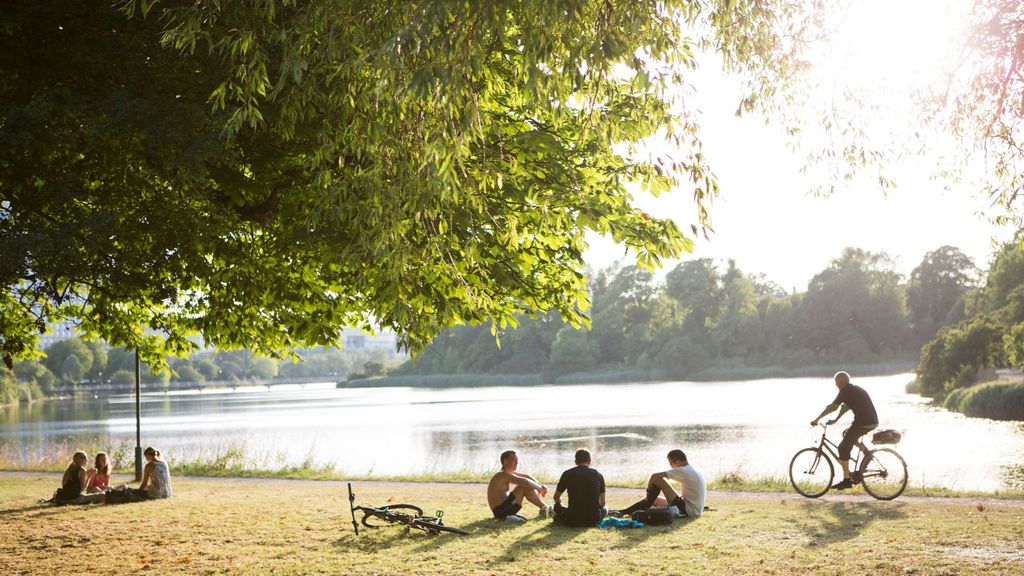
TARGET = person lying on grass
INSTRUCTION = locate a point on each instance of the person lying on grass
(689, 504)
(74, 483)
(504, 500)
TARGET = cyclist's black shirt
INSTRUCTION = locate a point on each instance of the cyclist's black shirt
(857, 399)
(584, 485)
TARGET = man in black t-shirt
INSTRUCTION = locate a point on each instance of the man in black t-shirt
(865, 419)
(586, 494)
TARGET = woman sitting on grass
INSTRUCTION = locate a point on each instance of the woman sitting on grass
(156, 478)
(99, 475)
(74, 482)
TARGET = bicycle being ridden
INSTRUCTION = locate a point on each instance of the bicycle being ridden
(850, 398)
(881, 471)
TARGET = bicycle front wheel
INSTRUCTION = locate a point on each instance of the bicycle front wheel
(885, 474)
(371, 520)
(811, 472)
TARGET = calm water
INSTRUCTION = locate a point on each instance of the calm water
(751, 428)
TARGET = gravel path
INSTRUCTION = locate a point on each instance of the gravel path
(615, 492)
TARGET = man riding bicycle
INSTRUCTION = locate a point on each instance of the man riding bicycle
(865, 419)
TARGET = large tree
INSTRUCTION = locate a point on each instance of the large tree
(854, 308)
(935, 287)
(263, 173)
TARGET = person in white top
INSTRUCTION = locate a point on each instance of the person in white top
(689, 503)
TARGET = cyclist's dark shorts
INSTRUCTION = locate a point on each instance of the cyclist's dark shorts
(507, 508)
(851, 436)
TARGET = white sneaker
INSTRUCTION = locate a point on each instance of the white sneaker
(546, 512)
(514, 519)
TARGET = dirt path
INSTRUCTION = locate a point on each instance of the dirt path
(615, 492)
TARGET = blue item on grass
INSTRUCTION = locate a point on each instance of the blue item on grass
(620, 523)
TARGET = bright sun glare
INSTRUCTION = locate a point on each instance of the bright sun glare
(881, 52)
(887, 45)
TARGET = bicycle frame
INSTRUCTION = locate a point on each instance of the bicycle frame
(429, 524)
(830, 447)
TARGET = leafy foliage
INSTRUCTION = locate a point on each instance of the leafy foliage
(936, 287)
(264, 173)
(701, 320)
(989, 337)
(996, 400)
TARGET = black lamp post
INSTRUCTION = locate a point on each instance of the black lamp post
(138, 418)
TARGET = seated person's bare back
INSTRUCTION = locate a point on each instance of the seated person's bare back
(508, 488)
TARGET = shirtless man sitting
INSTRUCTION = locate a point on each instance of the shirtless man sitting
(505, 500)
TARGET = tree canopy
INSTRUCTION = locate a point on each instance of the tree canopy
(264, 173)
(991, 334)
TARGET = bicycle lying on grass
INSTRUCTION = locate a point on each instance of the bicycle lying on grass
(406, 515)
(882, 470)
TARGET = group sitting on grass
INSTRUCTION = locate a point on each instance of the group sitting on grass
(92, 486)
(585, 488)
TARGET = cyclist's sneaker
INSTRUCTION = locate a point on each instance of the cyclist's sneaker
(856, 477)
(844, 485)
(514, 519)
(546, 512)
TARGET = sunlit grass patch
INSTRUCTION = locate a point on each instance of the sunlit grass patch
(233, 526)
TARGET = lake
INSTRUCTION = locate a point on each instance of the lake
(751, 428)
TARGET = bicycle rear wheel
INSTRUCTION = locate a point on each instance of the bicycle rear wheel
(811, 472)
(433, 528)
(885, 474)
(371, 520)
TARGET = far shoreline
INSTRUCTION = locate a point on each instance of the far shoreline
(711, 375)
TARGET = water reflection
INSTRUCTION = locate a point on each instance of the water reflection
(749, 428)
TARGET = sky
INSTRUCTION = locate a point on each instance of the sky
(767, 220)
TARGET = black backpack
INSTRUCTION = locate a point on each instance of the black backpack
(122, 496)
(661, 516)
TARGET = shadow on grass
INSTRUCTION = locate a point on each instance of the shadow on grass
(547, 536)
(534, 534)
(39, 509)
(552, 535)
(374, 539)
(832, 522)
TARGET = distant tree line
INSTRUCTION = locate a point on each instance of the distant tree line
(70, 363)
(702, 318)
(989, 335)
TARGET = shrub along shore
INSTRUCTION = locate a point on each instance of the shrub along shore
(293, 527)
(997, 399)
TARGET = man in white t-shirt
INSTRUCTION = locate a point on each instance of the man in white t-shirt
(689, 503)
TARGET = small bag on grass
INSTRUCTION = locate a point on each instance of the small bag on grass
(661, 516)
(123, 496)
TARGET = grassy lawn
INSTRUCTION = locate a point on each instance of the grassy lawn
(232, 526)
